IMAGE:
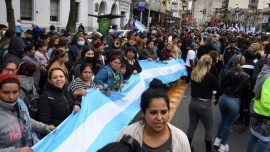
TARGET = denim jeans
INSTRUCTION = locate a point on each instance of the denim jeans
(262, 147)
(229, 108)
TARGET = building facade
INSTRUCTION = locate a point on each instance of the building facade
(56, 12)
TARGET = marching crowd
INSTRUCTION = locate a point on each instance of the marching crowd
(45, 74)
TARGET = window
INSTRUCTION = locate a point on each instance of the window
(54, 13)
(26, 10)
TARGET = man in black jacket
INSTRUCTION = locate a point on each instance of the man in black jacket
(259, 65)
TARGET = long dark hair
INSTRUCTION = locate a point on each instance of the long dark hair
(85, 49)
(85, 65)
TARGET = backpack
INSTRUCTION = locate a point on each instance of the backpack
(31, 102)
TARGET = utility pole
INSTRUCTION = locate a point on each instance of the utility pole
(193, 11)
(148, 18)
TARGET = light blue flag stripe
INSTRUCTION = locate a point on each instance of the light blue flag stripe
(101, 119)
(139, 26)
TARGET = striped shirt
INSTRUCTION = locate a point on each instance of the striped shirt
(77, 84)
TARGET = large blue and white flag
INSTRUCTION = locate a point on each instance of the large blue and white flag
(102, 118)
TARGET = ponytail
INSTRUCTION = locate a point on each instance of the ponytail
(238, 61)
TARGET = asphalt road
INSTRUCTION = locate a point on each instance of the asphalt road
(237, 141)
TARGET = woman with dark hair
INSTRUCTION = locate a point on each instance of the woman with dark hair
(131, 62)
(17, 127)
(149, 52)
(85, 56)
(79, 85)
(43, 60)
(29, 56)
(56, 102)
(126, 144)
(153, 132)
(236, 85)
(110, 77)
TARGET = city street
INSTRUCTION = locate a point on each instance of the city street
(237, 140)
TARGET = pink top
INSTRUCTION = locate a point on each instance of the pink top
(42, 58)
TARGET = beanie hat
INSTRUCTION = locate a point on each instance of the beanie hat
(52, 27)
(16, 44)
(63, 41)
(6, 76)
(27, 69)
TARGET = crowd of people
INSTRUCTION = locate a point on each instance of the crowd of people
(59, 68)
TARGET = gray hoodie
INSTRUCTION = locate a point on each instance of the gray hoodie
(265, 73)
(28, 84)
(11, 130)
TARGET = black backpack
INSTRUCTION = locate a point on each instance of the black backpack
(31, 102)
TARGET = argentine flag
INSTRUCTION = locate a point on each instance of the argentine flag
(102, 118)
(139, 26)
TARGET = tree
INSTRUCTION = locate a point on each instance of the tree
(10, 15)
(71, 25)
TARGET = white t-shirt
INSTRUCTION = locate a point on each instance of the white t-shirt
(191, 55)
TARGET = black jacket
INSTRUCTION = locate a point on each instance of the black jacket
(55, 104)
(204, 49)
(130, 68)
(257, 69)
(236, 86)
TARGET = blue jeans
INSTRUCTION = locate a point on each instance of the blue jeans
(229, 108)
(262, 147)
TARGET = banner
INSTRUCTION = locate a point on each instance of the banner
(102, 118)
(141, 5)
